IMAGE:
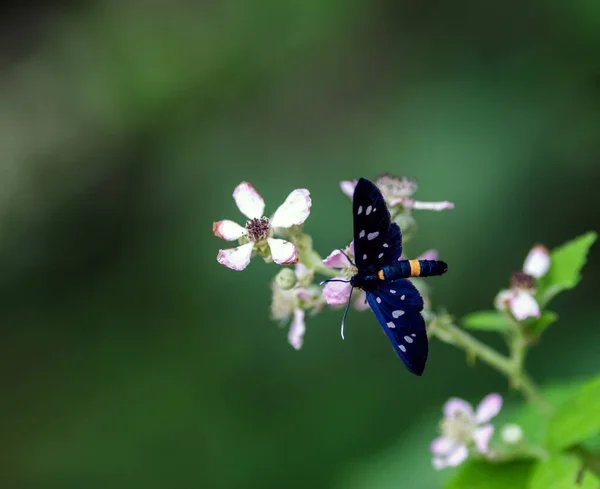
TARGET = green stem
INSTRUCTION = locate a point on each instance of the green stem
(451, 334)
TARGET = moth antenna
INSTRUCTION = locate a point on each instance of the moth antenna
(334, 280)
(349, 259)
(346, 312)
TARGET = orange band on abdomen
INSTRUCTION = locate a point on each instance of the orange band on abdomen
(381, 275)
(415, 268)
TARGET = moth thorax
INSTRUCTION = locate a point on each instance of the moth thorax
(258, 228)
(521, 280)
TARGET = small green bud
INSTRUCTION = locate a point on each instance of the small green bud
(285, 279)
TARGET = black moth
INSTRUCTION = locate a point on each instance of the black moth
(383, 276)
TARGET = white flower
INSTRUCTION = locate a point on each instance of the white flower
(398, 191)
(294, 302)
(462, 429)
(258, 228)
(520, 297)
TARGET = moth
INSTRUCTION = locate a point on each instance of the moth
(383, 275)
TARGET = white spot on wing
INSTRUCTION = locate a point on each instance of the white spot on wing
(397, 313)
(369, 209)
(413, 335)
(392, 291)
(364, 256)
(391, 325)
(359, 211)
(361, 234)
(378, 299)
(372, 236)
(402, 297)
(403, 348)
(385, 245)
(380, 255)
(408, 339)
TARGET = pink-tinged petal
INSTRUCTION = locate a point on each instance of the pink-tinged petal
(348, 187)
(429, 255)
(457, 407)
(297, 329)
(336, 293)
(482, 436)
(249, 201)
(523, 305)
(360, 301)
(294, 210)
(301, 270)
(304, 294)
(503, 299)
(537, 262)
(443, 445)
(458, 456)
(236, 258)
(283, 252)
(228, 230)
(351, 249)
(438, 463)
(488, 408)
(416, 204)
(336, 259)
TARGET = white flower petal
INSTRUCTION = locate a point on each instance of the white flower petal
(236, 258)
(429, 255)
(336, 293)
(348, 187)
(350, 249)
(283, 252)
(537, 262)
(336, 259)
(457, 407)
(228, 230)
(512, 433)
(442, 445)
(482, 436)
(502, 300)
(489, 407)
(297, 329)
(360, 301)
(523, 305)
(438, 463)
(458, 456)
(417, 204)
(249, 201)
(294, 210)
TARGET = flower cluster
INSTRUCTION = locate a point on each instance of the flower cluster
(520, 298)
(293, 292)
(464, 429)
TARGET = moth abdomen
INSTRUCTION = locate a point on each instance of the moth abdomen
(412, 268)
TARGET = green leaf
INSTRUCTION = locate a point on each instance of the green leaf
(539, 325)
(486, 321)
(577, 419)
(562, 472)
(484, 475)
(566, 263)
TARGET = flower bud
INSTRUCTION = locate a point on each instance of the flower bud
(285, 279)
(512, 433)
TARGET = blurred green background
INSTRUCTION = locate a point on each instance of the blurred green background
(131, 359)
